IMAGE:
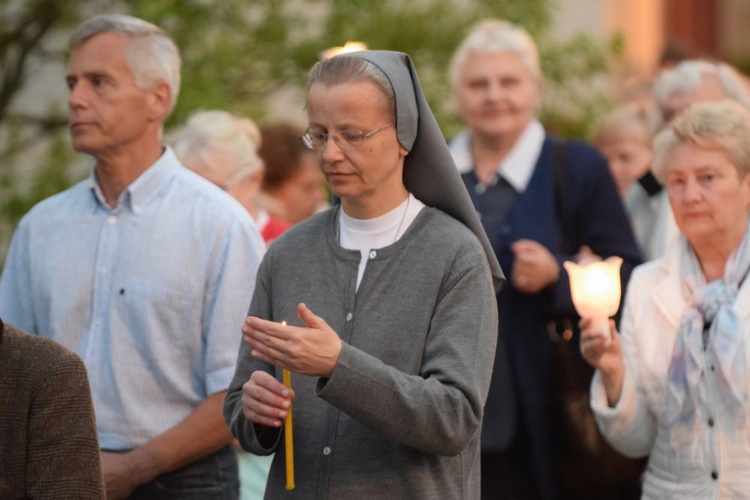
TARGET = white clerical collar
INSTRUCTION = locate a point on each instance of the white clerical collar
(379, 232)
(517, 166)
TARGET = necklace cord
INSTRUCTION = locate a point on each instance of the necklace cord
(401, 222)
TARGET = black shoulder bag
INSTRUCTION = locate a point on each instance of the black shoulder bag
(588, 466)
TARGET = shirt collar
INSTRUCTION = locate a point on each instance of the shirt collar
(146, 186)
(517, 166)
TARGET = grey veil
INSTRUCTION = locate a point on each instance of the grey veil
(429, 171)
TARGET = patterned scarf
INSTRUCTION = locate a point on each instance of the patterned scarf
(712, 306)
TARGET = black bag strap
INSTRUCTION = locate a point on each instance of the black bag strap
(558, 179)
(562, 328)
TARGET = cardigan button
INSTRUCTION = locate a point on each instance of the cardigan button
(710, 422)
(714, 475)
(349, 316)
(373, 254)
(326, 451)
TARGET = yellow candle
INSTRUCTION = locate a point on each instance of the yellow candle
(288, 441)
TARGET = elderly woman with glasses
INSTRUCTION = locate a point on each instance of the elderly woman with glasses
(674, 385)
(383, 308)
(223, 149)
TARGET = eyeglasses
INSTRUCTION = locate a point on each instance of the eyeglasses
(241, 175)
(344, 139)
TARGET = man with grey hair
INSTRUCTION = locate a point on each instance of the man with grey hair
(144, 269)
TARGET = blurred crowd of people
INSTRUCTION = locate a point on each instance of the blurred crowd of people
(412, 286)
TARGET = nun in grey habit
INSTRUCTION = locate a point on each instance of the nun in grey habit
(382, 308)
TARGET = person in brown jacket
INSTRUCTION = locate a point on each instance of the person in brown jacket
(48, 442)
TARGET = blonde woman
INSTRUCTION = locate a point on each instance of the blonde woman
(674, 385)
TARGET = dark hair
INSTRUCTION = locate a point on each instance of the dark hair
(2, 329)
(281, 150)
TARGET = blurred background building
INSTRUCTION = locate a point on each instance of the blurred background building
(654, 28)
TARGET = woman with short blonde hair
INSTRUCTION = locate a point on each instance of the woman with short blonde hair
(674, 385)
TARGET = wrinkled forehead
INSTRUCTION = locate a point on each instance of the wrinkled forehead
(347, 101)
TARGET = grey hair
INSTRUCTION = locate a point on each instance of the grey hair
(151, 55)
(687, 76)
(350, 69)
(496, 35)
(722, 125)
(217, 141)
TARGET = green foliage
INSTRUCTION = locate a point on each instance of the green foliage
(576, 74)
(20, 192)
(237, 55)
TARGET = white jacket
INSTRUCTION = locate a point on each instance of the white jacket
(713, 461)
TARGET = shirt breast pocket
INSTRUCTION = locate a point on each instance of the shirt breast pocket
(159, 318)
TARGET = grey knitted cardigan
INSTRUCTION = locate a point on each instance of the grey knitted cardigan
(400, 415)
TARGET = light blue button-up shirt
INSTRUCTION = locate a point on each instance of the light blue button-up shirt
(151, 293)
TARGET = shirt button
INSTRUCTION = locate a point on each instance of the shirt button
(326, 451)
(480, 188)
(349, 316)
(714, 475)
(373, 254)
(710, 422)
(112, 219)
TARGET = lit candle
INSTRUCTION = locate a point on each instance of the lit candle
(595, 289)
(288, 440)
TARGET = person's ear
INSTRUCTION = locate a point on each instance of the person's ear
(158, 101)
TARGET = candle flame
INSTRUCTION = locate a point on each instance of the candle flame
(348, 47)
